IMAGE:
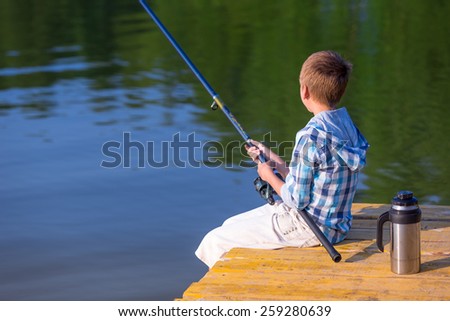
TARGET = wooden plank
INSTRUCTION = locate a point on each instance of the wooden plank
(364, 264)
(314, 287)
(309, 274)
(433, 235)
(296, 280)
(374, 210)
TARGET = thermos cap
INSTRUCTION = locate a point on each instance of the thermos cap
(404, 198)
(403, 195)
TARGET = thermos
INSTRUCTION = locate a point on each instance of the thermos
(405, 216)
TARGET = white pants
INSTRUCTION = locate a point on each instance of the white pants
(265, 227)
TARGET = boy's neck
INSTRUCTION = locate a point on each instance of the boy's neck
(317, 108)
(311, 103)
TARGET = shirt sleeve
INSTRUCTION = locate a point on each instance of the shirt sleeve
(297, 189)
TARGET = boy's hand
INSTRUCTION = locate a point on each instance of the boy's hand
(253, 152)
(256, 150)
(265, 171)
(272, 158)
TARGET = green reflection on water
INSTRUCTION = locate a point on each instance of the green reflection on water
(251, 52)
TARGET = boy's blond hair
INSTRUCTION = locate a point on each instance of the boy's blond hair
(326, 74)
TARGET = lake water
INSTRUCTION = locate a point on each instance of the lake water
(76, 75)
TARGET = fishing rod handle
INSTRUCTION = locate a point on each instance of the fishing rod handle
(334, 254)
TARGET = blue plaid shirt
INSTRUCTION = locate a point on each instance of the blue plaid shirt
(328, 155)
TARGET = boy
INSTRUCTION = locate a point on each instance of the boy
(321, 178)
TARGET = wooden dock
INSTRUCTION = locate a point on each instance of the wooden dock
(309, 273)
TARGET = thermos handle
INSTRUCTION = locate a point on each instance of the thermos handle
(383, 218)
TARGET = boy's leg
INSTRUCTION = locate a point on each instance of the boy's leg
(250, 228)
(266, 209)
(267, 227)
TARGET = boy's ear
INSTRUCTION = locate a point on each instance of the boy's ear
(304, 92)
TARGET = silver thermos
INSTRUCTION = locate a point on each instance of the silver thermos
(404, 216)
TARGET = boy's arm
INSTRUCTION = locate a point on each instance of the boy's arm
(266, 173)
(297, 189)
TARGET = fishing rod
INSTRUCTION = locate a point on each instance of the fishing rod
(262, 187)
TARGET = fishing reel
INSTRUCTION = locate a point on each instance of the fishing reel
(265, 190)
